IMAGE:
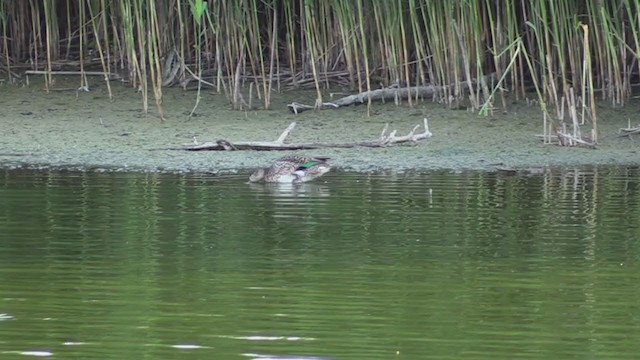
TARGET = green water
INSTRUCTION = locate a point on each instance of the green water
(433, 266)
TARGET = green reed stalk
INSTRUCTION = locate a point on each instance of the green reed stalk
(235, 35)
(465, 64)
(153, 50)
(320, 24)
(442, 44)
(514, 49)
(51, 27)
(391, 30)
(311, 43)
(611, 50)
(557, 33)
(417, 35)
(273, 53)
(256, 48)
(344, 12)
(365, 52)
(600, 50)
(631, 12)
(541, 43)
(383, 46)
(104, 20)
(240, 60)
(69, 29)
(140, 33)
(198, 9)
(97, 36)
(19, 30)
(587, 82)
(134, 66)
(117, 35)
(328, 40)
(425, 39)
(35, 33)
(82, 18)
(495, 21)
(474, 26)
(4, 24)
(214, 25)
(180, 35)
(405, 50)
(517, 75)
(231, 50)
(522, 48)
(290, 44)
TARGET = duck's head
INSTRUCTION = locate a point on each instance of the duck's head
(257, 175)
(308, 174)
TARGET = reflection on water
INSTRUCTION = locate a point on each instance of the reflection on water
(438, 265)
(280, 191)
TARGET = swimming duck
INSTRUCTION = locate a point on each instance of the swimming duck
(292, 169)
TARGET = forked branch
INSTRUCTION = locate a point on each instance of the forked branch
(387, 138)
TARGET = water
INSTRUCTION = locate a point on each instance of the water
(434, 266)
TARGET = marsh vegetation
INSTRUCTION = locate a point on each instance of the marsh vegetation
(482, 54)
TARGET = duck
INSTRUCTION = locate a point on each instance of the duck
(292, 169)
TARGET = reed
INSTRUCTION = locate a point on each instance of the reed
(312, 44)
(348, 41)
(153, 46)
(98, 27)
(365, 51)
(198, 9)
(82, 37)
(4, 24)
(473, 50)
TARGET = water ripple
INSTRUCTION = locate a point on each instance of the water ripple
(371, 266)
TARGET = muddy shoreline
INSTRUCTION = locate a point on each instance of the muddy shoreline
(65, 129)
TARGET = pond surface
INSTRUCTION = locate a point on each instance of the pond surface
(432, 266)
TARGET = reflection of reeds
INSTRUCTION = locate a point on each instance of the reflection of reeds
(464, 46)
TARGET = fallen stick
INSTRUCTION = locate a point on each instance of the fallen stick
(629, 131)
(389, 93)
(386, 138)
(578, 140)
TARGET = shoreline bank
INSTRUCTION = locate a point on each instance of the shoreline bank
(86, 132)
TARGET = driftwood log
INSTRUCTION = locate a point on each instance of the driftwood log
(389, 93)
(395, 93)
(386, 138)
(630, 131)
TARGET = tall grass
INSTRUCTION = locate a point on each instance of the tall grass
(241, 47)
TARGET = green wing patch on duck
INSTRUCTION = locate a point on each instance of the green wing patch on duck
(308, 164)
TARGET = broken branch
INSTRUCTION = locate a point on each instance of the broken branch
(386, 138)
